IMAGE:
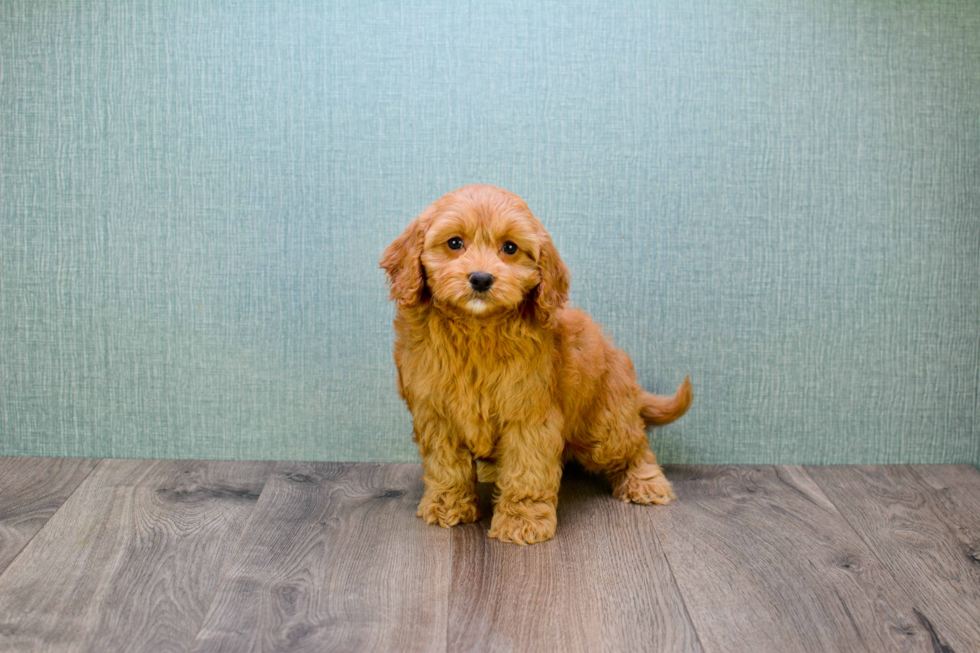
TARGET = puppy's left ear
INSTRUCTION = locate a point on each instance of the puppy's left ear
(552, 293)
(402, 260)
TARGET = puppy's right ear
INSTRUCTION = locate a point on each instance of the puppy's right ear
(402, 260)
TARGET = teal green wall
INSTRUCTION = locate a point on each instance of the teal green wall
(781, 199)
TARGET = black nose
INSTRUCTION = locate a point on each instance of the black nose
(481, 281)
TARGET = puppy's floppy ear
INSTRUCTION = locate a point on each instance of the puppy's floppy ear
(402, 260)
(552, 293)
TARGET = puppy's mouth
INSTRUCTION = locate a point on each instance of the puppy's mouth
(477, 304)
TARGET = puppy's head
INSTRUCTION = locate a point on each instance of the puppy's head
(479, 250)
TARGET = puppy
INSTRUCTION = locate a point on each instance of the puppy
(496, 368)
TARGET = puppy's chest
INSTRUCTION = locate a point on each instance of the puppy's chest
(489, 395)
(477, 383)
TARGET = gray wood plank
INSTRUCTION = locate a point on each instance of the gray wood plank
(923, 522)
(335, 559)
(131, 560)
(601, 585)
(765, 562)
(31, 490)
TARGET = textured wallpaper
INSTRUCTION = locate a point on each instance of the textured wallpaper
(780, 199)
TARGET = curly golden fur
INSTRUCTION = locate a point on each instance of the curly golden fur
(508, 379)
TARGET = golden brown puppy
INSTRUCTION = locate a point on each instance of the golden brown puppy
(494, 367)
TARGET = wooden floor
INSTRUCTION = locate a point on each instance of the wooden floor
(123, 555)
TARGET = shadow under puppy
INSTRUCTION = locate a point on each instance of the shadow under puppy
(495, 368)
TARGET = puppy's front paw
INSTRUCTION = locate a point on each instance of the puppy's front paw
(447, 510)
(523, 529)
(646, 489)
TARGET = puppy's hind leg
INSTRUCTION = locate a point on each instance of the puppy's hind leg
(642, 481)
(622, 451)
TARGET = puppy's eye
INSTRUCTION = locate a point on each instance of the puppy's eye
(510, 248)
(455, 243)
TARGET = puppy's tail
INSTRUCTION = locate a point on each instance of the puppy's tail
(657, 410)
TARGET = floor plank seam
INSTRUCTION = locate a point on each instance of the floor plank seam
(680, 592)
(70, 495)
(449, 587)
(231, 558)
(874, 551)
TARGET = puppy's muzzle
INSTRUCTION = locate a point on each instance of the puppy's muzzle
(481, 281)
